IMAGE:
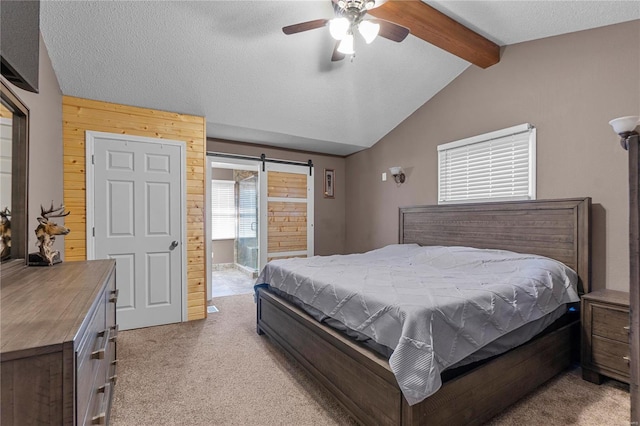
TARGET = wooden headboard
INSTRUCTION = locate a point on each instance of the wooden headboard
(559, 229)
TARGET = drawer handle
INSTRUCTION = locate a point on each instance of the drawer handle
(114, 377)
(627, 328)
(114, 296)
(114, 333)
(100, 353)
(101, 418)
(626, 358)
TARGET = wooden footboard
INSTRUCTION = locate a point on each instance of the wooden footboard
(363, 383)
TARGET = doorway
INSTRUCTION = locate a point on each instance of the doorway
(234, 227)
(261, 210)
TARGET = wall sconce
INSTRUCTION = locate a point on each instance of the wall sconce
(398, 174)
(625, 127)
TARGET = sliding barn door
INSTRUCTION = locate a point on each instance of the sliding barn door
(286, 212)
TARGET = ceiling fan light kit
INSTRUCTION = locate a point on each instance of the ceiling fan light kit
(346, 45)
(343, 4)
(369, 30)
(342, 27)
(338, 28)
(349, 17)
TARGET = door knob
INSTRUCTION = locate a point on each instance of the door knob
(174, 244)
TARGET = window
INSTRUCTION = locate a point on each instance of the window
(496, 166)
(223, 210)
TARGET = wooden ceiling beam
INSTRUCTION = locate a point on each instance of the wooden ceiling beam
(436, 28)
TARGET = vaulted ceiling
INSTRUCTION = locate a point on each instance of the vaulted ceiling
(230, 62)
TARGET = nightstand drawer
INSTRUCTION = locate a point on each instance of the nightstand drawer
(610, 322)
(610, 354)
(605, 336)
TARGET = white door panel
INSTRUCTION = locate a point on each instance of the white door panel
(138, 222)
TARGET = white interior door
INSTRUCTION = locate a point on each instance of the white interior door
(137, 216)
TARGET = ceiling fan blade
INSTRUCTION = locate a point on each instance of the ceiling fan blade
(391, 31)
(304, 26)
(337, 56)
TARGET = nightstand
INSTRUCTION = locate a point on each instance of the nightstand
(605, 336)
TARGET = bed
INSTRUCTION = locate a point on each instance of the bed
(362, 379)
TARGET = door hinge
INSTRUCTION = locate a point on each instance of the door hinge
(93, 231)
(93, 159)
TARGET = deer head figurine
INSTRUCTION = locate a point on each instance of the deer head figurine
(5, 233)
(47, 231)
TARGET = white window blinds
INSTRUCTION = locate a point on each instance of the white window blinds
(223, 210)
(495, 166)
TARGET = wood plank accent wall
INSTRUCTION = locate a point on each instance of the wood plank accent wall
(287, 227)
(287, 220)
(287, 185)
(80, 115)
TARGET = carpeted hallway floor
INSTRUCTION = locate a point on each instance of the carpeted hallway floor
(220, 372)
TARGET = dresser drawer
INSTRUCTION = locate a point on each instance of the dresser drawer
(92, 353)
(610, 354)
(100, 398)
(48, 375)
(610, 322)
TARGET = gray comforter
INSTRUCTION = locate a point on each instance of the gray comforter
(433, 305)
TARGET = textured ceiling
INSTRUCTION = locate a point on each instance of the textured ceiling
(230, 62)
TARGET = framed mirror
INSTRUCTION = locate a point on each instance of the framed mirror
(14, 164)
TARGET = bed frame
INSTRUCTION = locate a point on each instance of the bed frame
(362, 381)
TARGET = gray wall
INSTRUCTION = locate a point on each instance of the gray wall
(45, 145)
(222, 251)
(569, 87)
(329, 237)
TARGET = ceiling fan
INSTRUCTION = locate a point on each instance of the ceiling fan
(350, 20)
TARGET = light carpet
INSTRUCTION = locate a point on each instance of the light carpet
(220, 372)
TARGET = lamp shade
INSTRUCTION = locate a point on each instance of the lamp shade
(624, 124)
(346, 45)
(369, 30)
(338, 27)
(395, 170)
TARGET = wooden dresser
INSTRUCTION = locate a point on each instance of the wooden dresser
(58, 345)
(605, 336)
